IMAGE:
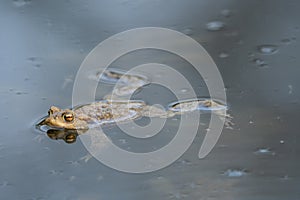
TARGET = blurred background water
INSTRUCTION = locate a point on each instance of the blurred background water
(255, 46)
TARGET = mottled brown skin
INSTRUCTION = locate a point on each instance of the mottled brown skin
(94, 114)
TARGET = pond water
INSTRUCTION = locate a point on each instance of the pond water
(255, 46)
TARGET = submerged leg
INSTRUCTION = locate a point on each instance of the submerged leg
(187, 106)
(155, 111)
(204, 106)
(197, 104)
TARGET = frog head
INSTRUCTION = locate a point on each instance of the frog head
(63, 119)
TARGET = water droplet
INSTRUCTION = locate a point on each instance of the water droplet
(267, 49)
(32, 59)
(20, 3)
(49, 22)
(290, 89)
(72, 178)
(100, 178)
(67, 81)
(232, 33)
(184, 162)
(281, 141)
(39, 138)
(264, 151)
(122, 141)
(278, 118)
(285, 178)
(286, 41)
(240, 42)
(73, 163)
(56, 172)
(260, 62)
(86, 158)
(187, 31)
(223, 55)
(215, 26)
(226, 13)
(177, 195)
(235, 173)
(251, 54)
(37, 65)
(35, 61)
(20, 93)
(4, 184)
(184, 90)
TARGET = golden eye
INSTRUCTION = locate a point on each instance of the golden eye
(68, 117)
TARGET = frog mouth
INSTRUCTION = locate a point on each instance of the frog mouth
(57, 133)
(41, 122)
(42, 126)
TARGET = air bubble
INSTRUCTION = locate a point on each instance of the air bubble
(100, 178)
(290, 89)
(260, 62)
(267, 49)
(264, 151)
(188, 31)
(184, 90)
(286, 41)
(226, 13)
(281, 141)
(223, 55)
(285, 178)
(72, 178)
(215, 26)
(20, 93)
(35, 61)
(4, 184)
(20, 3)
(122, 141)
(235, 173)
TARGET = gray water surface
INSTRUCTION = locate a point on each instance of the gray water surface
(255, 46)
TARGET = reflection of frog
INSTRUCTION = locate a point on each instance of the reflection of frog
(69, 136)
(112, 111)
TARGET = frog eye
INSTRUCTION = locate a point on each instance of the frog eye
(50, 112)
(68, 117)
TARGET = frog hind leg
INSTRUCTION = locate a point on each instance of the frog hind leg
(156, 111)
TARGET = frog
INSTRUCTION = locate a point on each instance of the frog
(106, 112)
(66, 124)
